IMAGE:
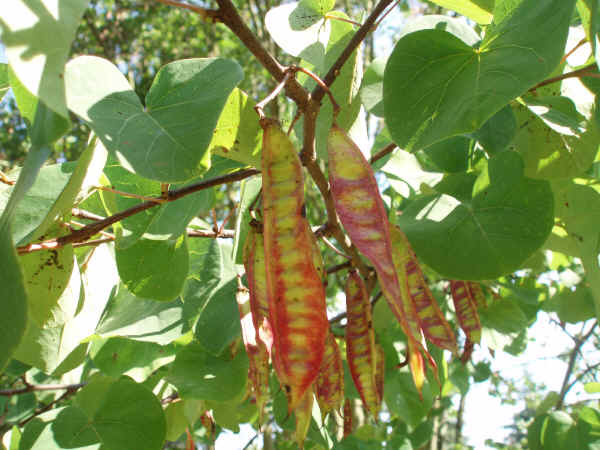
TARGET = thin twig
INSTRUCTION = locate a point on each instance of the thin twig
(225, 234)
(329, 244)
(590, 70)
(206, 14)
(94, 228)
(40, 387)
(385, 14)
(83, 214)
(343, 19)
(338, 267)
(260, 105)
(383, 152)
(229, 15)
(4, 179)
(343, 315)
(336, 107)
(573, 50)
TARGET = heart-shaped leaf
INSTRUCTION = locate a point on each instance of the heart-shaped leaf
(435, 86)
(38, 35)
(167, 140)
(299, 31)
(490, 232)
(478, 10)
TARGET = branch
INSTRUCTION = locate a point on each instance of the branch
(206, 14)
(572, 358)
(228, 15)
(68, 393)
(40, 387)
(590, 70)
(356, 40)
(90, 230)
(383, 152)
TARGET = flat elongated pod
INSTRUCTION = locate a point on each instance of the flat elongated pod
(258, 356)
(361, 211)
(329, 387)
(318, 258)
(297, 309)
(433, 323)
(303, 416)
(477, 294)
(360, 342)
(466, 310)
(256, 275)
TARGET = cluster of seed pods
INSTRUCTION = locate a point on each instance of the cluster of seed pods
(361, 211)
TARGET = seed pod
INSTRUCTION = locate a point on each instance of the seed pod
(303, 416)
(432, 321)
(477, 294)
(297, 309)
(329, 387)
(361, 211)
(318, 258)
(360, 342)
(258, 357)
(379, 372)
(466, 310)
(255, 265)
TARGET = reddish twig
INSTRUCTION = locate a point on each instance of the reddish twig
(206, 14)
(590, 70)
(383, 152)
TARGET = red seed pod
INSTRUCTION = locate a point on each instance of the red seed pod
(258, 357)
(297, 309)
(433, 323)
(360, 342)
(329, 387)
(466, 310)
(361, 211)
(477, 294)
(256, 275)
(303, 414)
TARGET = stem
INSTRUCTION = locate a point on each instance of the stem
(90, 230)
(571, 364)
(206, 14)
(228, 14)
(383, 152)
(587, 71)
(40, 387)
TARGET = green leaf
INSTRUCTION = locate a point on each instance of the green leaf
(299, 31)
(167, 140)
(498, 131)
(478, 10)
(238, 135)
(141, 319)
(553, 138)
(406, 175)
(504, 315)
(117, 413)
(176, 420)
(492, 233)
(451, 155)
(46, 274)
(231, 414)
(435, 86)
(117, 356)
(403, 400)
(154, 269)
(572, 306)
(14, 304)
(371, 90)
(44, 126)
(456, 27)
(588, 12)
(38, 35)
(592, 388)
(4, 84)
(550, 431)
(198, 374)
(209, 293)
(74, 317)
